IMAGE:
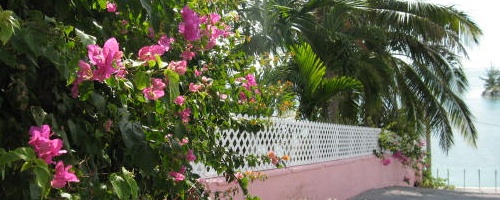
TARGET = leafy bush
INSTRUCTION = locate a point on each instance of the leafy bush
(123, 96)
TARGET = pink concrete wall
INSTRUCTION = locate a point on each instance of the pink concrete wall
(338, 180)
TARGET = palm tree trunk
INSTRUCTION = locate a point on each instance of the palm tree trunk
(428, 146)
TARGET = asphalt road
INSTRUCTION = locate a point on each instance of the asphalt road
(412, 193)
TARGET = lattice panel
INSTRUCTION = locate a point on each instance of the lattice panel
(305, 143)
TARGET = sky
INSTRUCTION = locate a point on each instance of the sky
(486, 14)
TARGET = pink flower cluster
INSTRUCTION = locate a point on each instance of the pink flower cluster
(190, 28)
(401, 157)
(178, 176)
(149, 53)
(248, 82)
(155, 90)
(47, 149)
(190, 25)
(106, 61)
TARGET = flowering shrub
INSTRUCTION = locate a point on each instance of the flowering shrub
(135, 97)
(408, 150)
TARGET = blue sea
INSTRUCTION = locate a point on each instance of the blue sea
(465, 165)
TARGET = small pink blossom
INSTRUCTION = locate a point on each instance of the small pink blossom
(104, 58)
(148, 53)
(190, 25)
(223, 96)
(45, 147)
(63, 176)
(214, 18)
(238, 175)
(156, 90)
(111, 7)
(204, 79)
(183, 141)
(194, 88)
(85, 72)
(243, 97)
(250, 81)
(124, 22)
(185, 114)
(177, 176)
(179, 100)
(386, 162)
(190, 156)
(197, 73)
(178, 66)
(187, 55)
(165, 42)
(397, 154)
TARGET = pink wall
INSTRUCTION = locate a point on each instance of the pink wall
(338, 180)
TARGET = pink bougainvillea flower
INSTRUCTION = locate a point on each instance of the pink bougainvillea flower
(63, 176)
(238, 175)
(179, 100)
(397, 154)
(185, 114)
(206, 80)
(104, 58)
(386, 162)
(45, 147)
(197, 72)
(243, 97)
(190, 25)
(178, 66)
(85, 72)
(177, 176)
(156, 90)
(165, 42)
(187, 55)
(250, 81)
(214, 18)
(223, 96)
(148, 53)
(194, 87)
(111, 7)
(190, 156)
(183, 141)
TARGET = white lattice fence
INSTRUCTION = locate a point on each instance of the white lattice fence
(305, 143)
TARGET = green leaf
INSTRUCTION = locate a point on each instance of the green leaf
(120, 186)
(132, 133)
(38, 114)
(141, 80)
(8, 25)
(85, 39)
(26, 165)
(22, 153)
(129, 178)
(42, 177)
(173, 84)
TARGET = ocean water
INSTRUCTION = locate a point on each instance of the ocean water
(465, 165)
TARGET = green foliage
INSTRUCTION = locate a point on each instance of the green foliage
(8, 25)
(432, 182)
(314, 88)
(121, 144)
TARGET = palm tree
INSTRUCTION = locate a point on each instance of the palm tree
(406, 54)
